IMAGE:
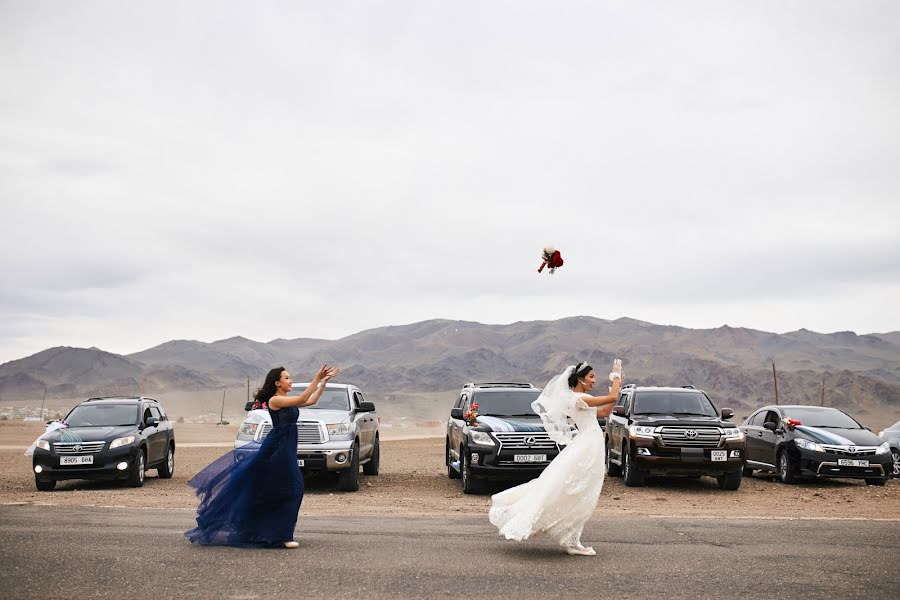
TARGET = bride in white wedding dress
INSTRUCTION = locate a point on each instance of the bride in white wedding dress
(563, 498)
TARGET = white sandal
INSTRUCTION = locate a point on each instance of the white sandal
(292, 544)
(580, 550)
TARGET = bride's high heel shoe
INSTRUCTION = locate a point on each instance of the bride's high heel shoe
(292, 544)
(580, 550)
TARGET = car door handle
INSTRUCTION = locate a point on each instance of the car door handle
(759, 434)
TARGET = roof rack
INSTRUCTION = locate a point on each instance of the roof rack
(122, 397)
(690, 387)
(499, 384)
(628, 386)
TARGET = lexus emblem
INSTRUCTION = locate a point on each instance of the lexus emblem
(77, 448)
(529, 441)
(690, 434)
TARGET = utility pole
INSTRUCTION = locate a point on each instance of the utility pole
(42, 404)
(222, 414)
(823, 391)
(775, 379)
(248, 388)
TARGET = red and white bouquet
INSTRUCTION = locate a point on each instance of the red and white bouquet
(791, 423)
(551, 258)
(471, 415)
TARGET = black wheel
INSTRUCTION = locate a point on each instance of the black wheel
(371, 467)
(876, 481)
(632, 476)
(451, 472)
(614, 470)
(472, 484)
(136, 477)
(748, 472)
(166, 469)
(348, 479)
(786, 470)
(896, 455)
(44, 485)
(729, 481)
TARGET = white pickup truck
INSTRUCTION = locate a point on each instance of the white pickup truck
(338, 433)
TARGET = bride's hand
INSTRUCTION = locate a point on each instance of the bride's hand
(331, 373)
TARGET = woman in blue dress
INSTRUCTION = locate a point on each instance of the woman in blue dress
(251, 496)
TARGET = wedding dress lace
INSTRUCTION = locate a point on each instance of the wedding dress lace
(563, 498)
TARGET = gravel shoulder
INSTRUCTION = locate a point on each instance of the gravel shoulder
(413, 480)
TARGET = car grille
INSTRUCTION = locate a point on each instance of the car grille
(308, 432)
(520, 441)
(706, 437)
(512, 463)
(78, 447)
(845, 450)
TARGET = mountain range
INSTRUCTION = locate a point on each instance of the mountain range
(424, 363)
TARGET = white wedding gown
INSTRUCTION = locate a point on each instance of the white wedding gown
(563, 498)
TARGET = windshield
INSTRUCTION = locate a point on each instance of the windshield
(331, 399)
(103, 415)
(690, 403)
(821, 417)
(506, 404)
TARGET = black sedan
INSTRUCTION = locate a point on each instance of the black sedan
(107, 438)
(813, 441)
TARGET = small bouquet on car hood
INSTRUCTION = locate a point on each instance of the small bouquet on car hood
(64, 436)
(552, 258)
(791, 423)
(471, 414)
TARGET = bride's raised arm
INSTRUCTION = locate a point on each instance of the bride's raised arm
(608, 399)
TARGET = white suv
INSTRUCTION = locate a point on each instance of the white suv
(338, 433)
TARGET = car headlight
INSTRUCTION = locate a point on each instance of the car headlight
(481, 438)
(338, 428)
(640, 431)
(248, 429)
(121, 442)
(883, 449)
(733, 434)
(42, 444)
(808, 445)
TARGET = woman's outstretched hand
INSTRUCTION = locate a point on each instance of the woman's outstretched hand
(321, 372)
(330, 373)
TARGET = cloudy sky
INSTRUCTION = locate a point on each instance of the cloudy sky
(198, 170)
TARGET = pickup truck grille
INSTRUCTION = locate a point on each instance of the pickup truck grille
(520, 441)
(78, 447)
(690, 437)
(308, 432)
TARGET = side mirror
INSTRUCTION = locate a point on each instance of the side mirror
(727, 413)
(151, 422)
(365, 407)
(619, 411)
(456, 413)
(770, 425)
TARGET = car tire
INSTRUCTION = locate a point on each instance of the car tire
(631, 475)
(472, 484)
(612, 469)
(730, 481)
(348, 479)
(136, 477)
(167, 469)
(876, 481)
(44, 485)
(895, 454)
(371, 467)
(786, 470)
(451, 472)
(747, 472)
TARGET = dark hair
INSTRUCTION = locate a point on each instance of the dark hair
(581, 369)
(263, 394)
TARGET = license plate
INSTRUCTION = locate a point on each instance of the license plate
(719, 455)
(527, 458)
(76, 460)
(301, 462)
(846, 462)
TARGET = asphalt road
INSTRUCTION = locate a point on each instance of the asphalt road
(65, 552)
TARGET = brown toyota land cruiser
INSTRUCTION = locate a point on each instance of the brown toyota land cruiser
(672, 431)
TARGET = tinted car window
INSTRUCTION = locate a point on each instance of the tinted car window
(822, 417)
(673, 402)
(758, 419)
(331, 399)
(155, 412)
(102, 415)
(505, 403)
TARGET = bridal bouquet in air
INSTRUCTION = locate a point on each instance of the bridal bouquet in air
(551, 258)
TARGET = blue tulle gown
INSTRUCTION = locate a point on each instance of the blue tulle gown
(251, 496)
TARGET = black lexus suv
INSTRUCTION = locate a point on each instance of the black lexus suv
(507, 443)
(107, 438)
(672, 431)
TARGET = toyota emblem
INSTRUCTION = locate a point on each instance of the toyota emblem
(690, 434)
(852, 449)
(529, 441)
(77, 448)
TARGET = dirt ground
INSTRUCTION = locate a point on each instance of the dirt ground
(413, 480)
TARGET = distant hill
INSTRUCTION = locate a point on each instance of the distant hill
(860, 372)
